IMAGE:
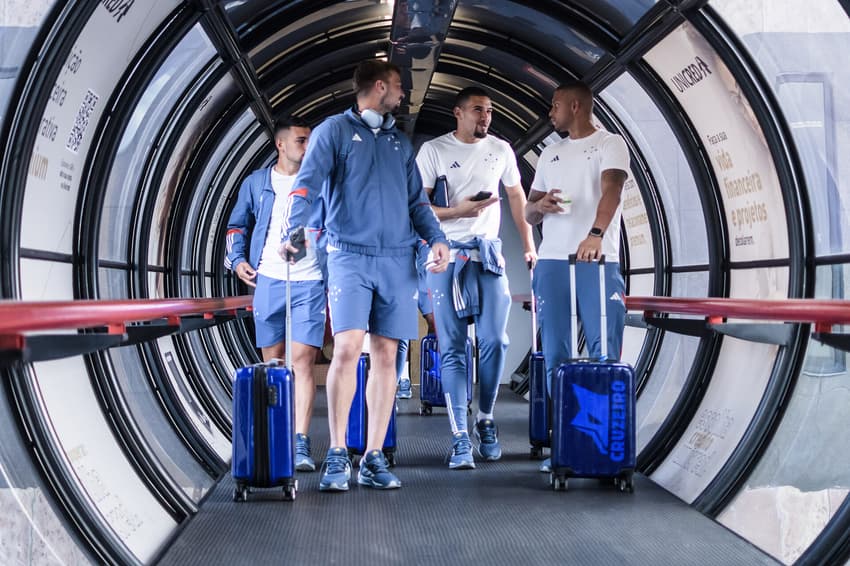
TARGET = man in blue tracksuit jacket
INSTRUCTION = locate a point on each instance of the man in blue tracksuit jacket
(261, 202)
(376, 212)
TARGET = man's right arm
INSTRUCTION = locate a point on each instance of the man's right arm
(318, 162)
(237, 227)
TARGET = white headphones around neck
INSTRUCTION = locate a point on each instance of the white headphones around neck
(375, 119)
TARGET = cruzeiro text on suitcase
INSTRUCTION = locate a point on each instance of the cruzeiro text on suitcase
(604, 422)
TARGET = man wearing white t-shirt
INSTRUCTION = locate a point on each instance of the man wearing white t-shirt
(474, 288)
(262, 201)
(576, 194)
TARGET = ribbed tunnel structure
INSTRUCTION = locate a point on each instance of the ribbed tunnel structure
(128, 125)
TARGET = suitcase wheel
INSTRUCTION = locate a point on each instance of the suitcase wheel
(289, 492)
(559, 483)
(625, 484)
(354, 458)
(390, 456)
(240, 493)
(536, 453)
(425, 410)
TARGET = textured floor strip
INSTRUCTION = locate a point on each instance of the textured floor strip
(499, 513)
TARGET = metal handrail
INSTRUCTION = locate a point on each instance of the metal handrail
(17, 317)
(822, 312)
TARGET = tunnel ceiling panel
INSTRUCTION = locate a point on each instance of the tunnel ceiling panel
(551, 29)
(619, 15)
(271, 34)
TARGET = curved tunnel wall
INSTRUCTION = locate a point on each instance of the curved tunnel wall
(130, 126)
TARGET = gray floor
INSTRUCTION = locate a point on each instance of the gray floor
(500, 513)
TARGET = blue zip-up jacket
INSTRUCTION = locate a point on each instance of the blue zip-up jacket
(464, 285)
(375, 204)
(252, 213)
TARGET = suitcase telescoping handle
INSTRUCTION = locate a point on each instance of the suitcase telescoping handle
(298, 237)
(533, 308)
(603, 303)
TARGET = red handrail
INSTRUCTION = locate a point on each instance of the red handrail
(17, 317)
(822, 312)
(819, 311)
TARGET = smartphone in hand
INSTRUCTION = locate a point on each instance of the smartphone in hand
(297, 240)
(482, 195)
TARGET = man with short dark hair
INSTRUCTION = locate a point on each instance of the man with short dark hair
(576, 195)
(475, 288)
(376, 211)
(262, 202)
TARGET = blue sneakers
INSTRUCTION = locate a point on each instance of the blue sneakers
(546, 466)
(488, 440)
(461, 457)
(337, 470)
(404, 389)
(303, 461)
(375, 472)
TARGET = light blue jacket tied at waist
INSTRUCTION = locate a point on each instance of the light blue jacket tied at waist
(465, 281)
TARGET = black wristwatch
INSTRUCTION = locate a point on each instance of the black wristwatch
(598, 232)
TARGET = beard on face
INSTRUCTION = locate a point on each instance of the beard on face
(480, 132)
(388, 105)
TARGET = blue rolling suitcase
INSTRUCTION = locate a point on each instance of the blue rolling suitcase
(430, 381)
(593, 410)
(263, 432)
(538, 399)
(357, 430)
(264, 422)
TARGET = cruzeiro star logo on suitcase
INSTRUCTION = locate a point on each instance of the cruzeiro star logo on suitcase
(594, 418)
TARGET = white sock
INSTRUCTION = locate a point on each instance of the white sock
(481, 416)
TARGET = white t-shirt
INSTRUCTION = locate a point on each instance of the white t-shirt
(271, 264)
(575, 167)
(469, 168)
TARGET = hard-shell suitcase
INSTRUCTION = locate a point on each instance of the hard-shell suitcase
(430, 379)
(538, 399)
(357, 431)
(264, 418)
(593, 411)
(263, 432)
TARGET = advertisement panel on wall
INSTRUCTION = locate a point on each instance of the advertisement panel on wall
(732, 138)
(104, 49)
(124, 502)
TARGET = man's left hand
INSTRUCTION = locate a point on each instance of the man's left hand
(589, 249)
(440, 255)
(530, 258)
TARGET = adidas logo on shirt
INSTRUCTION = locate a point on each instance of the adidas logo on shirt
(616, 297)
(554, 159)
(454, 165)
(356, 137)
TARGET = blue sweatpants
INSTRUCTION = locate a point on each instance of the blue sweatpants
(490, 330)
(400, 359)
(552, 290)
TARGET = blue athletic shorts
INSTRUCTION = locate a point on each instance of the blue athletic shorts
(374, 293)
(308, 311)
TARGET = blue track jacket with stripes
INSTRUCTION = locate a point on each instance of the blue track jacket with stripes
(253, 207)
(374, 197)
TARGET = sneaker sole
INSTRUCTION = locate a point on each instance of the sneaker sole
(462, 466)
(488, 458)
(404, 396)
(369, 483)
(333, 487)
(305, 467)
